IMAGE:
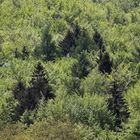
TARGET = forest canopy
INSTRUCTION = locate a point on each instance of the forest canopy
(69, 69)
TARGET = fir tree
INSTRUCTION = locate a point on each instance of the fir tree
(25, 53)
(29, 98)
(17, 54)
(39, 86)
(117, 104)
(99, 42)
(82, 68)
(18, 90)
(19, 93)
(69, 42)
(105, 64)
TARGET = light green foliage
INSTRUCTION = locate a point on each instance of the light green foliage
(133, 97)
(79, 111)
(94, 83)
(88, 110)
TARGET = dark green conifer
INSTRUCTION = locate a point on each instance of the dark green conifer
(17, 54)
(39, 86)
(69, 42)
(99, 42)
(20, 94)
(117, 104)
(25, 53)
(105, 64)
(29, 98)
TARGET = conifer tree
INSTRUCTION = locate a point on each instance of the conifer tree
(17, 54)
(25, 53)
(82, 68)
(99, 42)
(69, 42)
(18, 90)
(29, 98)
(117, 104)
(105, 64)
(19, 93)
(39, 86)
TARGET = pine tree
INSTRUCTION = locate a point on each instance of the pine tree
(17, 54)
(25, 53)
(99, 42)
(28, 98)
(117, 104)
(39, 86)
(19, 93)
(69, 42)
(105, 64)
(82, 68)
(19, 90)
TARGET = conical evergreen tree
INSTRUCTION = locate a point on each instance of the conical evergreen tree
(18, 90)
(29, 98)
(117, 104)
(69, 42)
(25, 53)
(17, 54)
(99, 42)
(105, 64)
(82, 68)
(39, 86)
(20, 94)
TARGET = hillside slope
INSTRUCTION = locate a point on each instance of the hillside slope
(70, 69)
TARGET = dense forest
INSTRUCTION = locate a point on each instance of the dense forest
(69, 69)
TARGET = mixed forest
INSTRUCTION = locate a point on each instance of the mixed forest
(69, 69)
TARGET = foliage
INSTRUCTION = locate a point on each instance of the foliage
(88, 53)
(117, 104)
(83, 67)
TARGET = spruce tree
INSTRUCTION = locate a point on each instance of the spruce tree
(105, 64)
(117, 104)
(25, 53)
(99, 42)
(83, 66)
(39, 86)
(19, 93)
(18, 90)
(17, 54)
(28, 98)
(69, 42)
